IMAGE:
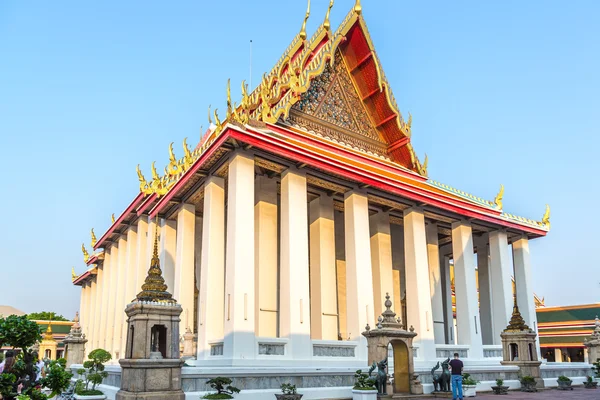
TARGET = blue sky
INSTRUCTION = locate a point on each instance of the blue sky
(500, 92)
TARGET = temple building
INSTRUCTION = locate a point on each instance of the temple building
(281, 232)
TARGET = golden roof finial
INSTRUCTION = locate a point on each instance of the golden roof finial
(217, 120)
(499, 197)
(154, 287)
(326, 24)
(303, 30)
(86, 255)
(112, 217)
(94, 240)
(424, 166)
(516, 323)
(209, 119)
(357, 7)
(172, 158)
(546, 217)
(73, 274)
(48, 333)
(229, 106)
(144, 187)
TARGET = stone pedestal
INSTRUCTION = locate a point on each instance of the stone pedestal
(593, 344)
(389, 330)
(519, 347)
(75, 344)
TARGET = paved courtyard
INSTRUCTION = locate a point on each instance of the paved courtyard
(549, 394)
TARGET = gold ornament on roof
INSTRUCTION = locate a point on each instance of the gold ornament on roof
(423, 168)
(499, 197)
(73, 274)
(154, 288)
(517, 323)
(357, 7)
(188, 160)
(326, 23)
(86, 255)
(94, 240)
(48, 333)
(303, 30)
(209, 118)
(546, 217)
(144, 186)
(229, 112)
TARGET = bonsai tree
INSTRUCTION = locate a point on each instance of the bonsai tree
(363, 382)
(590, 383)
(564, 382)
(528, 383)
(288, 388)
(21, 334)
(57, 379)
(223, 388)
(499, 382)
(93, 372)
(289, 392)
(468, 381)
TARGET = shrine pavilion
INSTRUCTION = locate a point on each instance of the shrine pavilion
(281, 232)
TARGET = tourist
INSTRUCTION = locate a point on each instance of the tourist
(456, 366)
(40, 367)
(8, 362)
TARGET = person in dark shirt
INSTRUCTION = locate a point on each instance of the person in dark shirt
(456, 366)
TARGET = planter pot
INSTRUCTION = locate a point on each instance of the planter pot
(565, 385)
(288, 396)
(590, 385)
(364, 394)
(94, 397)
(528, 387)
(500, 389)
(469, 391)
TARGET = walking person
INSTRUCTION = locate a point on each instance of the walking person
(456, 366)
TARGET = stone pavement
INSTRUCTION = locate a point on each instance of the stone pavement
(578, 393)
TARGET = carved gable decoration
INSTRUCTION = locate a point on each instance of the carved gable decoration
(333, 108)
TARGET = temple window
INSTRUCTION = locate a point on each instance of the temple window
(159, 339)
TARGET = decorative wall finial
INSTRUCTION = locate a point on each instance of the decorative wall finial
(209, 117)
(144, 187)
(357, 7)
(424, 166)
(112, 218)
(86, 255)
(303, 30)
(229, 104)
(546, 217)
(94, 240)
(499, 197)
(73, 274)
(154, 288)
(326, 23)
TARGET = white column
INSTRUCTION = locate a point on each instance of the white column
(524, 285)
(109, 293)
(100, 323)
(435, 282)
(485, 289)
(418, 292)
(119, 299)
(240, 340)
(82, 296)
(197, 272)
(265, 257)
(359, 276)
(294, 284)
(142, 263)
(323, 288)
(184, 268)
(212, 269)
(130, 282)
(93, 312)
(381, 260)
(500, 276)
(168, 249)
(447, 299)
(467, 310)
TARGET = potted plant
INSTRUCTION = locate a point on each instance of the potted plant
(57, 379)
(564, 383)
(590, 383)
(93, 372)
(364, 387)
(528, 384)
(500, 388)
(223, 388)
(289, 392)
(469, 386)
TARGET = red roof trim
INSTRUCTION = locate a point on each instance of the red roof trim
(121, 218)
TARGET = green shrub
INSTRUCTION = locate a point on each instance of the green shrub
(57, 379)
(223, 387)
(468, 381)
(288, 388)
(527, 380)
(363, 382)
(499, 382)
(563, 378)
(596, 368)
(91, 392)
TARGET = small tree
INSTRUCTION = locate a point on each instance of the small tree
(223, 388)
(363, 382)
(57, 379)
(93, 370)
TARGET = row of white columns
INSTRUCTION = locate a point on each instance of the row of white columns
(249, 288)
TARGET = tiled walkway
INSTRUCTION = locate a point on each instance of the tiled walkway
(549, 394)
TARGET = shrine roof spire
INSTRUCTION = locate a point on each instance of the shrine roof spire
(303, 30)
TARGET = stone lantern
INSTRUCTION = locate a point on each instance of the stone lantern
(519, 347)
(390, 330)
(151, 368)
(75, 343)
(593, 344)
